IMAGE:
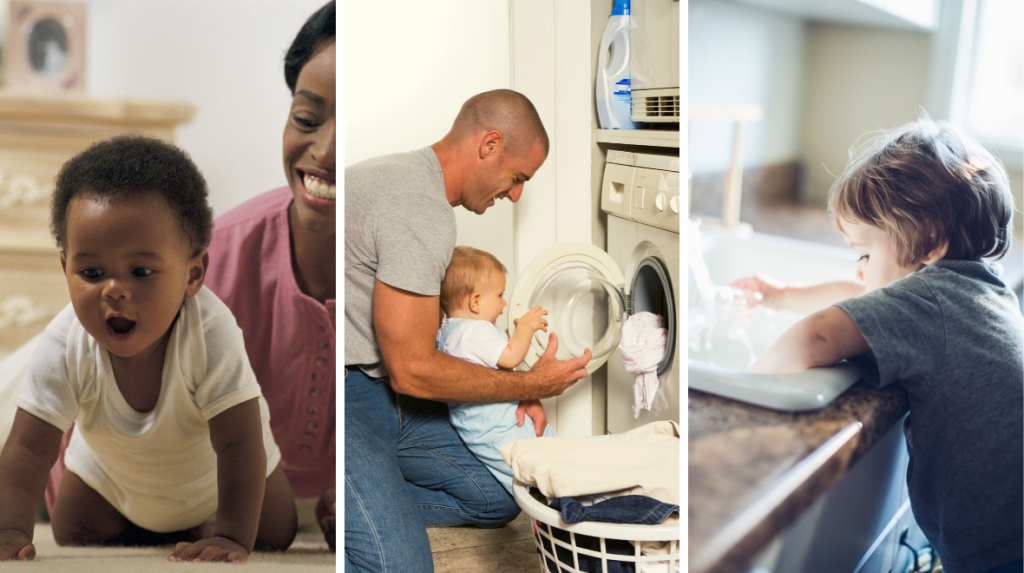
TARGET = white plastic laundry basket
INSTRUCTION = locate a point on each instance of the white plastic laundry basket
(606, 535)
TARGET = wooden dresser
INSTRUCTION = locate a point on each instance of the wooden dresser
(37, 135)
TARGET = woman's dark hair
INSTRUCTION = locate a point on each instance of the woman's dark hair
(131, 166)
(318, 30)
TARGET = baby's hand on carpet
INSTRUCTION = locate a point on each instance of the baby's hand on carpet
(326, 514)
(212, 549)
(15, 544)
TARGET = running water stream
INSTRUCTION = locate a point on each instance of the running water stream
(717, 315)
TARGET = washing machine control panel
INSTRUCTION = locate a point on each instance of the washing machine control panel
(642, 188)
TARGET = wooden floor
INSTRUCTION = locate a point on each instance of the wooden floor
(508, 549)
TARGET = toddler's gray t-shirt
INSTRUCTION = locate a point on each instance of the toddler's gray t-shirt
(951, 335)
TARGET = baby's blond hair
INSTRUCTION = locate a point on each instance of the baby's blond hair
(468, 268)
(923, 183)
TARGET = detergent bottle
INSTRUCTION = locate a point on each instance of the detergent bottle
(614, 103)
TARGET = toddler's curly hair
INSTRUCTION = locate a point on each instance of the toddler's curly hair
(923, 183)
(130, 166)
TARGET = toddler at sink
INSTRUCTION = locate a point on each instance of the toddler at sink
(921, 206)
(471, 298)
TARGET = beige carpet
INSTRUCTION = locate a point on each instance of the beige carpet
(309, 553)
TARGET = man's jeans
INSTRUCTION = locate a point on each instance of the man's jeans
(406, 468)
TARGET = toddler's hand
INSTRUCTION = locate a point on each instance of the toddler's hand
(535, 410)
(761, 290)
(15, 544)
(211, 549)
(532, 320)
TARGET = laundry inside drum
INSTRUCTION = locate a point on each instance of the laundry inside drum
(652, 292)
(584, 309)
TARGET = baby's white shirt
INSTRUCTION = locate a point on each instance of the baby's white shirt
(478, 341)
(158, 468)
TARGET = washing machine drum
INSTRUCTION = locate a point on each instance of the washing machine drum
(653, 289)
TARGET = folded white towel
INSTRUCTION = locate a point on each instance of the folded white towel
(643, 347)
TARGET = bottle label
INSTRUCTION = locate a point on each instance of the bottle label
(622, 95)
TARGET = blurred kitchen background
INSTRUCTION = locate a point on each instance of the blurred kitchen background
(804, 79)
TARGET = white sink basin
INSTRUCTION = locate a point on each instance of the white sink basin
(721, 369)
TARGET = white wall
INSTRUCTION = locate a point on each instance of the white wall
(223, 56)
(409, 66)
(551, 53)
(858, 80)
(742, 55)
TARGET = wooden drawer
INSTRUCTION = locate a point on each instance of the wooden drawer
(32, 291)
(39, 133)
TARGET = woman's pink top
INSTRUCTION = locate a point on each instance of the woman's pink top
(289, 336)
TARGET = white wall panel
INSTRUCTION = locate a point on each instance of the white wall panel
(551, 65)
(533, 74)
(225, 57)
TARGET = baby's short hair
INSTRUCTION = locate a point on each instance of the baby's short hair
(467, 269)
(130, 166)
(925, 182)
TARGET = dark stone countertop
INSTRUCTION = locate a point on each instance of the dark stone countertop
(753, 471)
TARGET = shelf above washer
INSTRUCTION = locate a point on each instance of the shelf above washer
(651, 137)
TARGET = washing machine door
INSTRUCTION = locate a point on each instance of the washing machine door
(582, 289)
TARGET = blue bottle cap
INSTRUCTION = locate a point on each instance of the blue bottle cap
(620, 8)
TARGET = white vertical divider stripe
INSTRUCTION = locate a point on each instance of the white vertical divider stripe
(533, 71)
(573, 95)
(551, 66)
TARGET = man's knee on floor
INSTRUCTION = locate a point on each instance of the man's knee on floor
(499, 511)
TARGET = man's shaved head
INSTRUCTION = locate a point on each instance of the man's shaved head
(506, 111)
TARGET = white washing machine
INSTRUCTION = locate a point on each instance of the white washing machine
(589, 292)
(640, 193)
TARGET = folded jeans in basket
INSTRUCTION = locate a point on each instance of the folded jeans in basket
(634, 509)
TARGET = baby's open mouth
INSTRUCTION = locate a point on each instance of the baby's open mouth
(120, 324)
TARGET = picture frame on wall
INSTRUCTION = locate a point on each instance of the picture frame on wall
(45, 47)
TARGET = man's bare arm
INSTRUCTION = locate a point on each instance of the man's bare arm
(406, 327)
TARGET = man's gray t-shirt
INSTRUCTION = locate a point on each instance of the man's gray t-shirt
(951, 335)
(399, 229)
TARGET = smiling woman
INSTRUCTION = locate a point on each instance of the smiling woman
(272, 261)
(309, 148)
